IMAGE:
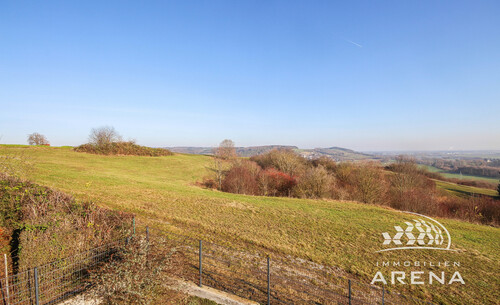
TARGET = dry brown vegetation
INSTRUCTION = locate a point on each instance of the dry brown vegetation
(106, 141)
(40, 224)
(137, 275)
(123, 148)
(401, 185)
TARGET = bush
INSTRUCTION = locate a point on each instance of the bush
(328, 163)
(403, 185)
(138, 274)
(370, 184)
(44, 224)
(123, 148)
(209, 183)
(482, 209)
(242, 178)
(284, 160)
(272, 182)
(314, 183)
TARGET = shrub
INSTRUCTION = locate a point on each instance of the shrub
(44, 224)
(370, 184)
(482, 209)
(123, 148)
(138, 274)
(242, 178)
(345, 174)
(328, 163)
(272, 182)
(209, 183)
(475, 183)
(314, 183)
(284, 160)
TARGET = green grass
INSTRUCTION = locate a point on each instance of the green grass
(162, 191)
(464, 190)
(458, 176)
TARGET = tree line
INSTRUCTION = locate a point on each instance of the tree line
(401, 185)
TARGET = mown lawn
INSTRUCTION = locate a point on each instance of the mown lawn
(162, 191)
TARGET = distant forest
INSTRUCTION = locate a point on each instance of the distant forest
(474, 167)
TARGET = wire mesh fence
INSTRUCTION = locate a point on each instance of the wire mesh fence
(57, 280)
(247, 274)
(279, 280)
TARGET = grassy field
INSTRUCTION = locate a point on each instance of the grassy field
(458, 176)
(464, 190)
(162, 191)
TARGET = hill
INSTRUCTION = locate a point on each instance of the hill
(241, 151)
(163, 192)
(336, 153)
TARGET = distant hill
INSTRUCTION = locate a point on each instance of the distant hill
(336, 153)
(241, 151)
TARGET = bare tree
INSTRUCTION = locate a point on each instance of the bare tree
(370, 183)
(314, 183)
(104, 135)
(37, 139)
(226, 150)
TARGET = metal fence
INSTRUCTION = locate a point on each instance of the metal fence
(57, 280)
(245, 273)
(276, 280)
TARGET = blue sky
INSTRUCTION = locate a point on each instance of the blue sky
(367, 75)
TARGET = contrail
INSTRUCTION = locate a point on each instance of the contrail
(356, 44)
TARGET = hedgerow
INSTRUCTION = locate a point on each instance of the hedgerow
(123, 148)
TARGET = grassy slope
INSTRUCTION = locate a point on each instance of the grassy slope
(162, 190)
(458, 176)
(464, 190)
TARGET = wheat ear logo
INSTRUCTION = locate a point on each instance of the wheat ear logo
(422, 233)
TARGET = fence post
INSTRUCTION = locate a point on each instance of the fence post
(37, 292)
(147, 235)
(383, 295)
(6, 278)
(349, 292)
(268, 280)
(28, 284)
(200, 263)
(133, 226)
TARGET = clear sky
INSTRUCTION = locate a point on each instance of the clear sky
(370, 75)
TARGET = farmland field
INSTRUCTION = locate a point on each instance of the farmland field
(458, 176)
(163, 192)
(464, 190)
